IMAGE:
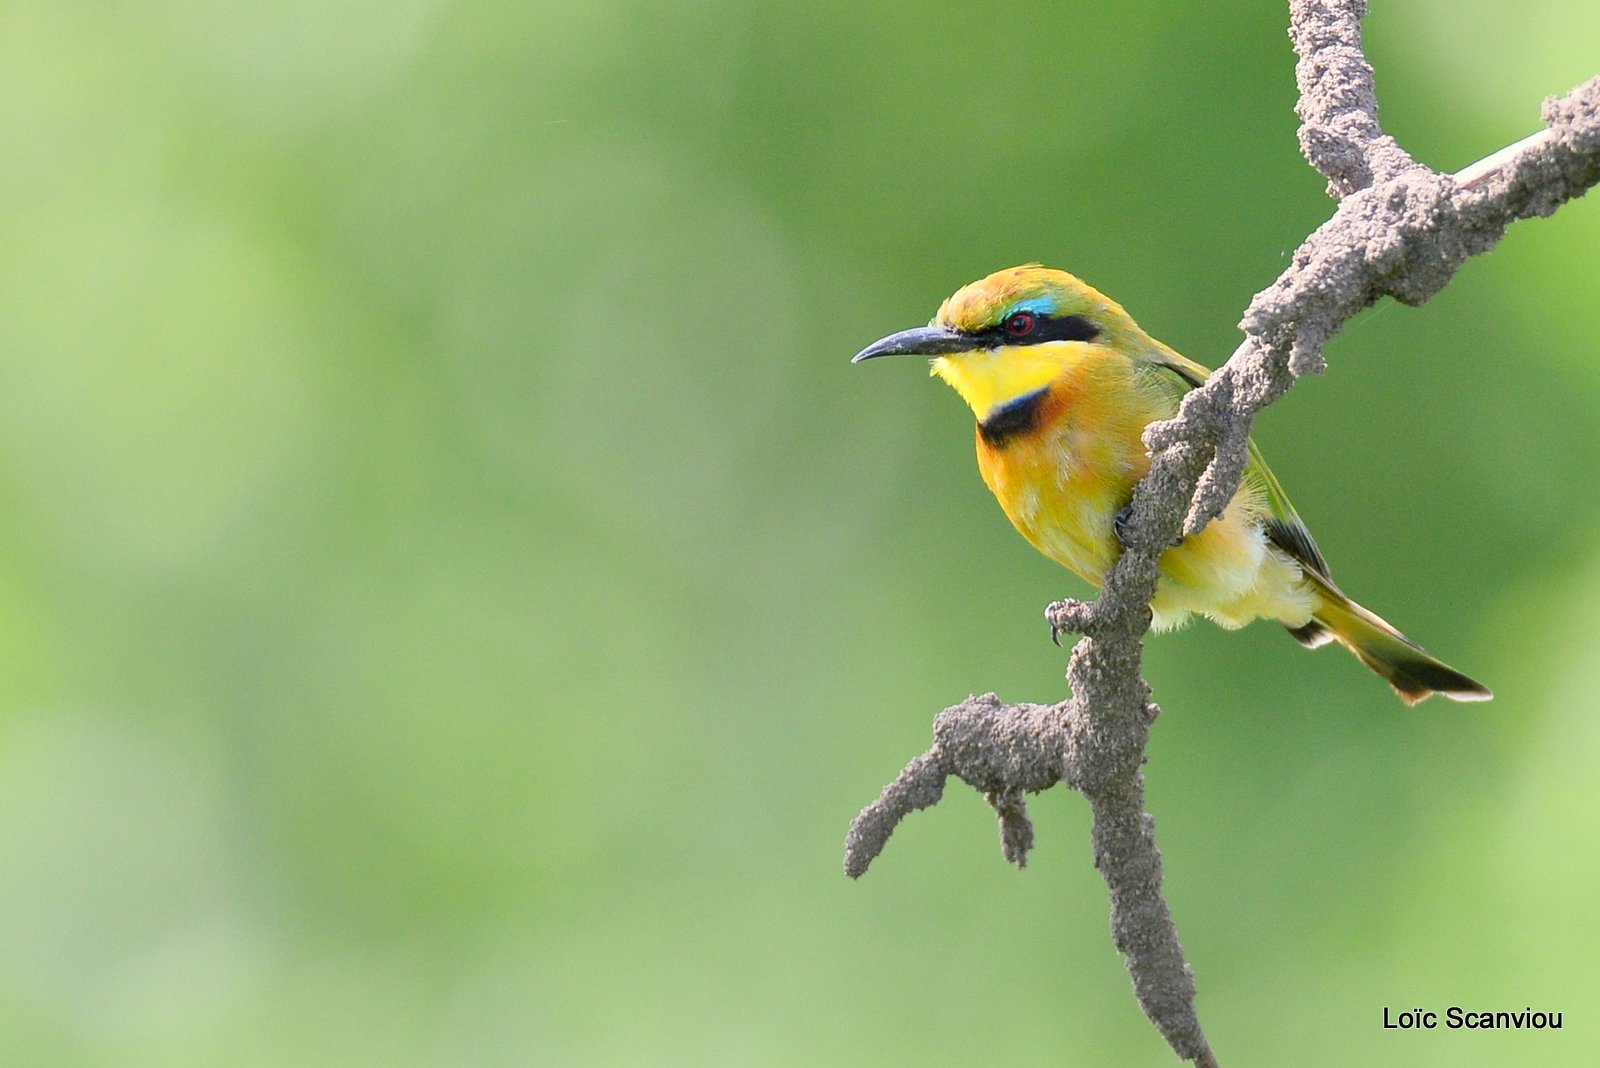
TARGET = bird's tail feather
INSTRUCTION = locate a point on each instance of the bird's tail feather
(1409, 668)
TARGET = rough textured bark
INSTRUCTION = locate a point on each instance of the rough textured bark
(1400, 230)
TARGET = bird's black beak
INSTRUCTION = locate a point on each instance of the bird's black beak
(921, 341)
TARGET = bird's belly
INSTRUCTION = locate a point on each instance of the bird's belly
(1227, 572)
(1074, 536)
(1065, 509)
(1230, 573)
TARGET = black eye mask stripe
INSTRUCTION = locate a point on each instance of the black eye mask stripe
(1045, 328)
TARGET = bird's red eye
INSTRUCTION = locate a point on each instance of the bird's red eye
(1020, 324)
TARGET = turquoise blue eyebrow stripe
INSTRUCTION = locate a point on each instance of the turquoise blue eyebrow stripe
(1036, 305)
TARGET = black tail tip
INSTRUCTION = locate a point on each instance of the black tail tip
(1417, 680)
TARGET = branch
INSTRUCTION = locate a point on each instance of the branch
(1400, 230)
(1338, 108)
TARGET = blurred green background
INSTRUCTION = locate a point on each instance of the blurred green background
(455, 592)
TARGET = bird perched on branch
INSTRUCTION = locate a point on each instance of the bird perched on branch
(1063, 383)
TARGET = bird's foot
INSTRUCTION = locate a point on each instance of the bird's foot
(1068, 617)
(1120, 524)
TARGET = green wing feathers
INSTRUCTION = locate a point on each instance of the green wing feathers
(1411, 670)
(1285, 527)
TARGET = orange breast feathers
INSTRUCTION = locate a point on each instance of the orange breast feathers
(1063, 460)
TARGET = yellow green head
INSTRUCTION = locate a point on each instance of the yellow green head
(1013, 332)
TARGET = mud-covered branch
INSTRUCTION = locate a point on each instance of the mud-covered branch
(1400, 230)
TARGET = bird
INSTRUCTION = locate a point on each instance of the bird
(1062, 382)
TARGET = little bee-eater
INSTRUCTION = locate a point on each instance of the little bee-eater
(1063, 383)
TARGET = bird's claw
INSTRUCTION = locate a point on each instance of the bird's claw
(1119, 525)
(1067, 617)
